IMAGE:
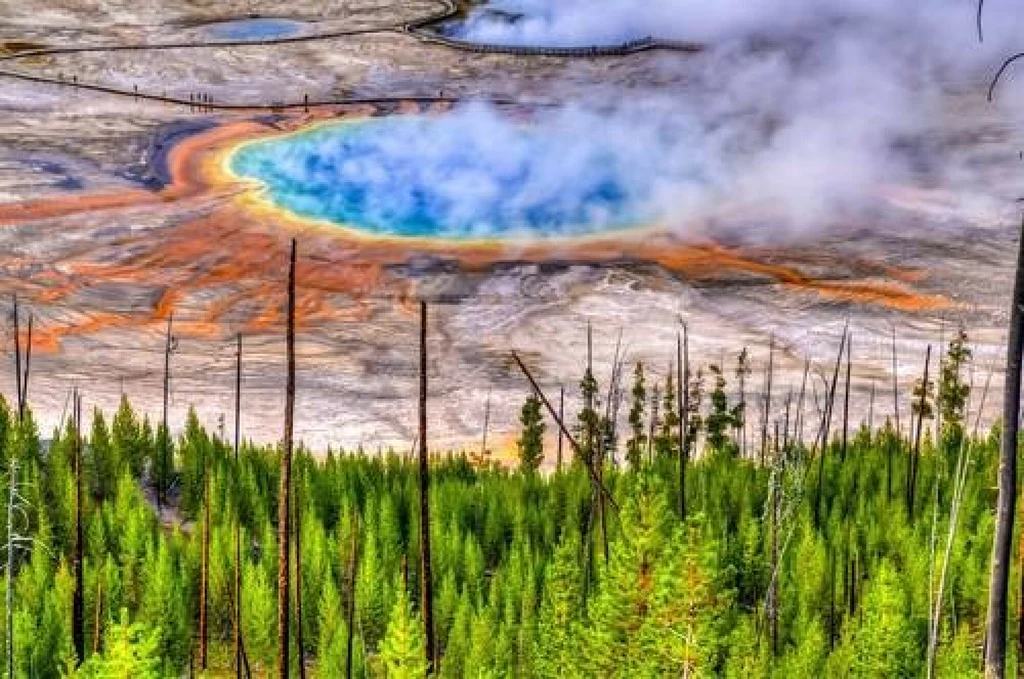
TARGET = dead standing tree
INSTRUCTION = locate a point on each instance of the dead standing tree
(766, 414)
(995, 629)
(1002, 545)
(170, 344)
(426, 583)
(204, 567)
(595, 479)
(846, 398)
(284, 491)
(23, 396)
(17, 358)
(683, 401)
(922, 415)
(297, 535)
(237, 621)
(77, 560)
(823, 437)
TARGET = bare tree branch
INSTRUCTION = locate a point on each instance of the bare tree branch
(999, 73)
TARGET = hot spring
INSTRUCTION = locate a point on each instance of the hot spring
(472, 174)
(255, 29)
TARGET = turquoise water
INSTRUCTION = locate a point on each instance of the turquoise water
(463, 176)
(255, 29)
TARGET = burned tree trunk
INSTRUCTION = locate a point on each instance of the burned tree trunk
(17, 359)
(237, 622)
(595, 449)
(826, 422)
(426, 583)
(846, 398)
(204, 567)
(165, 439)
(871, 410)
(573, 443)
(12, 493)
(767, 399)
(297, 531)
(23, 398)
(995, 649)
(683, 356)
(487, 424)
(773, 596)
(284, 492)
(912, 477)
(798, 424)
(78, 598)
(561, 415)
(895, 386)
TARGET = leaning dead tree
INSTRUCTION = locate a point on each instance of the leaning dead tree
(578, 452)
(995, 647)
(284, 491)
(426, 582)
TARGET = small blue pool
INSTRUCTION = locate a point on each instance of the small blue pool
(255, 29)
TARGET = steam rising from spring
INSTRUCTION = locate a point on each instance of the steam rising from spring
(798, 117)
(478, 174)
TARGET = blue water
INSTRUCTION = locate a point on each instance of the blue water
(471, 175)
(255, 29)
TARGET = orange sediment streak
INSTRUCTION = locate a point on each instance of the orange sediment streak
(229, 263)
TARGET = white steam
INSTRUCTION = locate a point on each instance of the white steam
(799, 116)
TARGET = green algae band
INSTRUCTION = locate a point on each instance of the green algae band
(468, 175)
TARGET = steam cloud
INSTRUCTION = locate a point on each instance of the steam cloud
(477, 174)
(798, 115)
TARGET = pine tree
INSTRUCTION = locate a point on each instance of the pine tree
(331, 641)
(260, 605)
(588, 421)
(743, 371)
(885, 644)
(402, 651)
(627, 593)
(668, 437)
(164, 606)
(531, 441)
(953, 391)
(126, 436)
(637, 442)
(923, 400)
(720, 419)
(133, 652)
(694, 421)
(454, 661)
(557, 645)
